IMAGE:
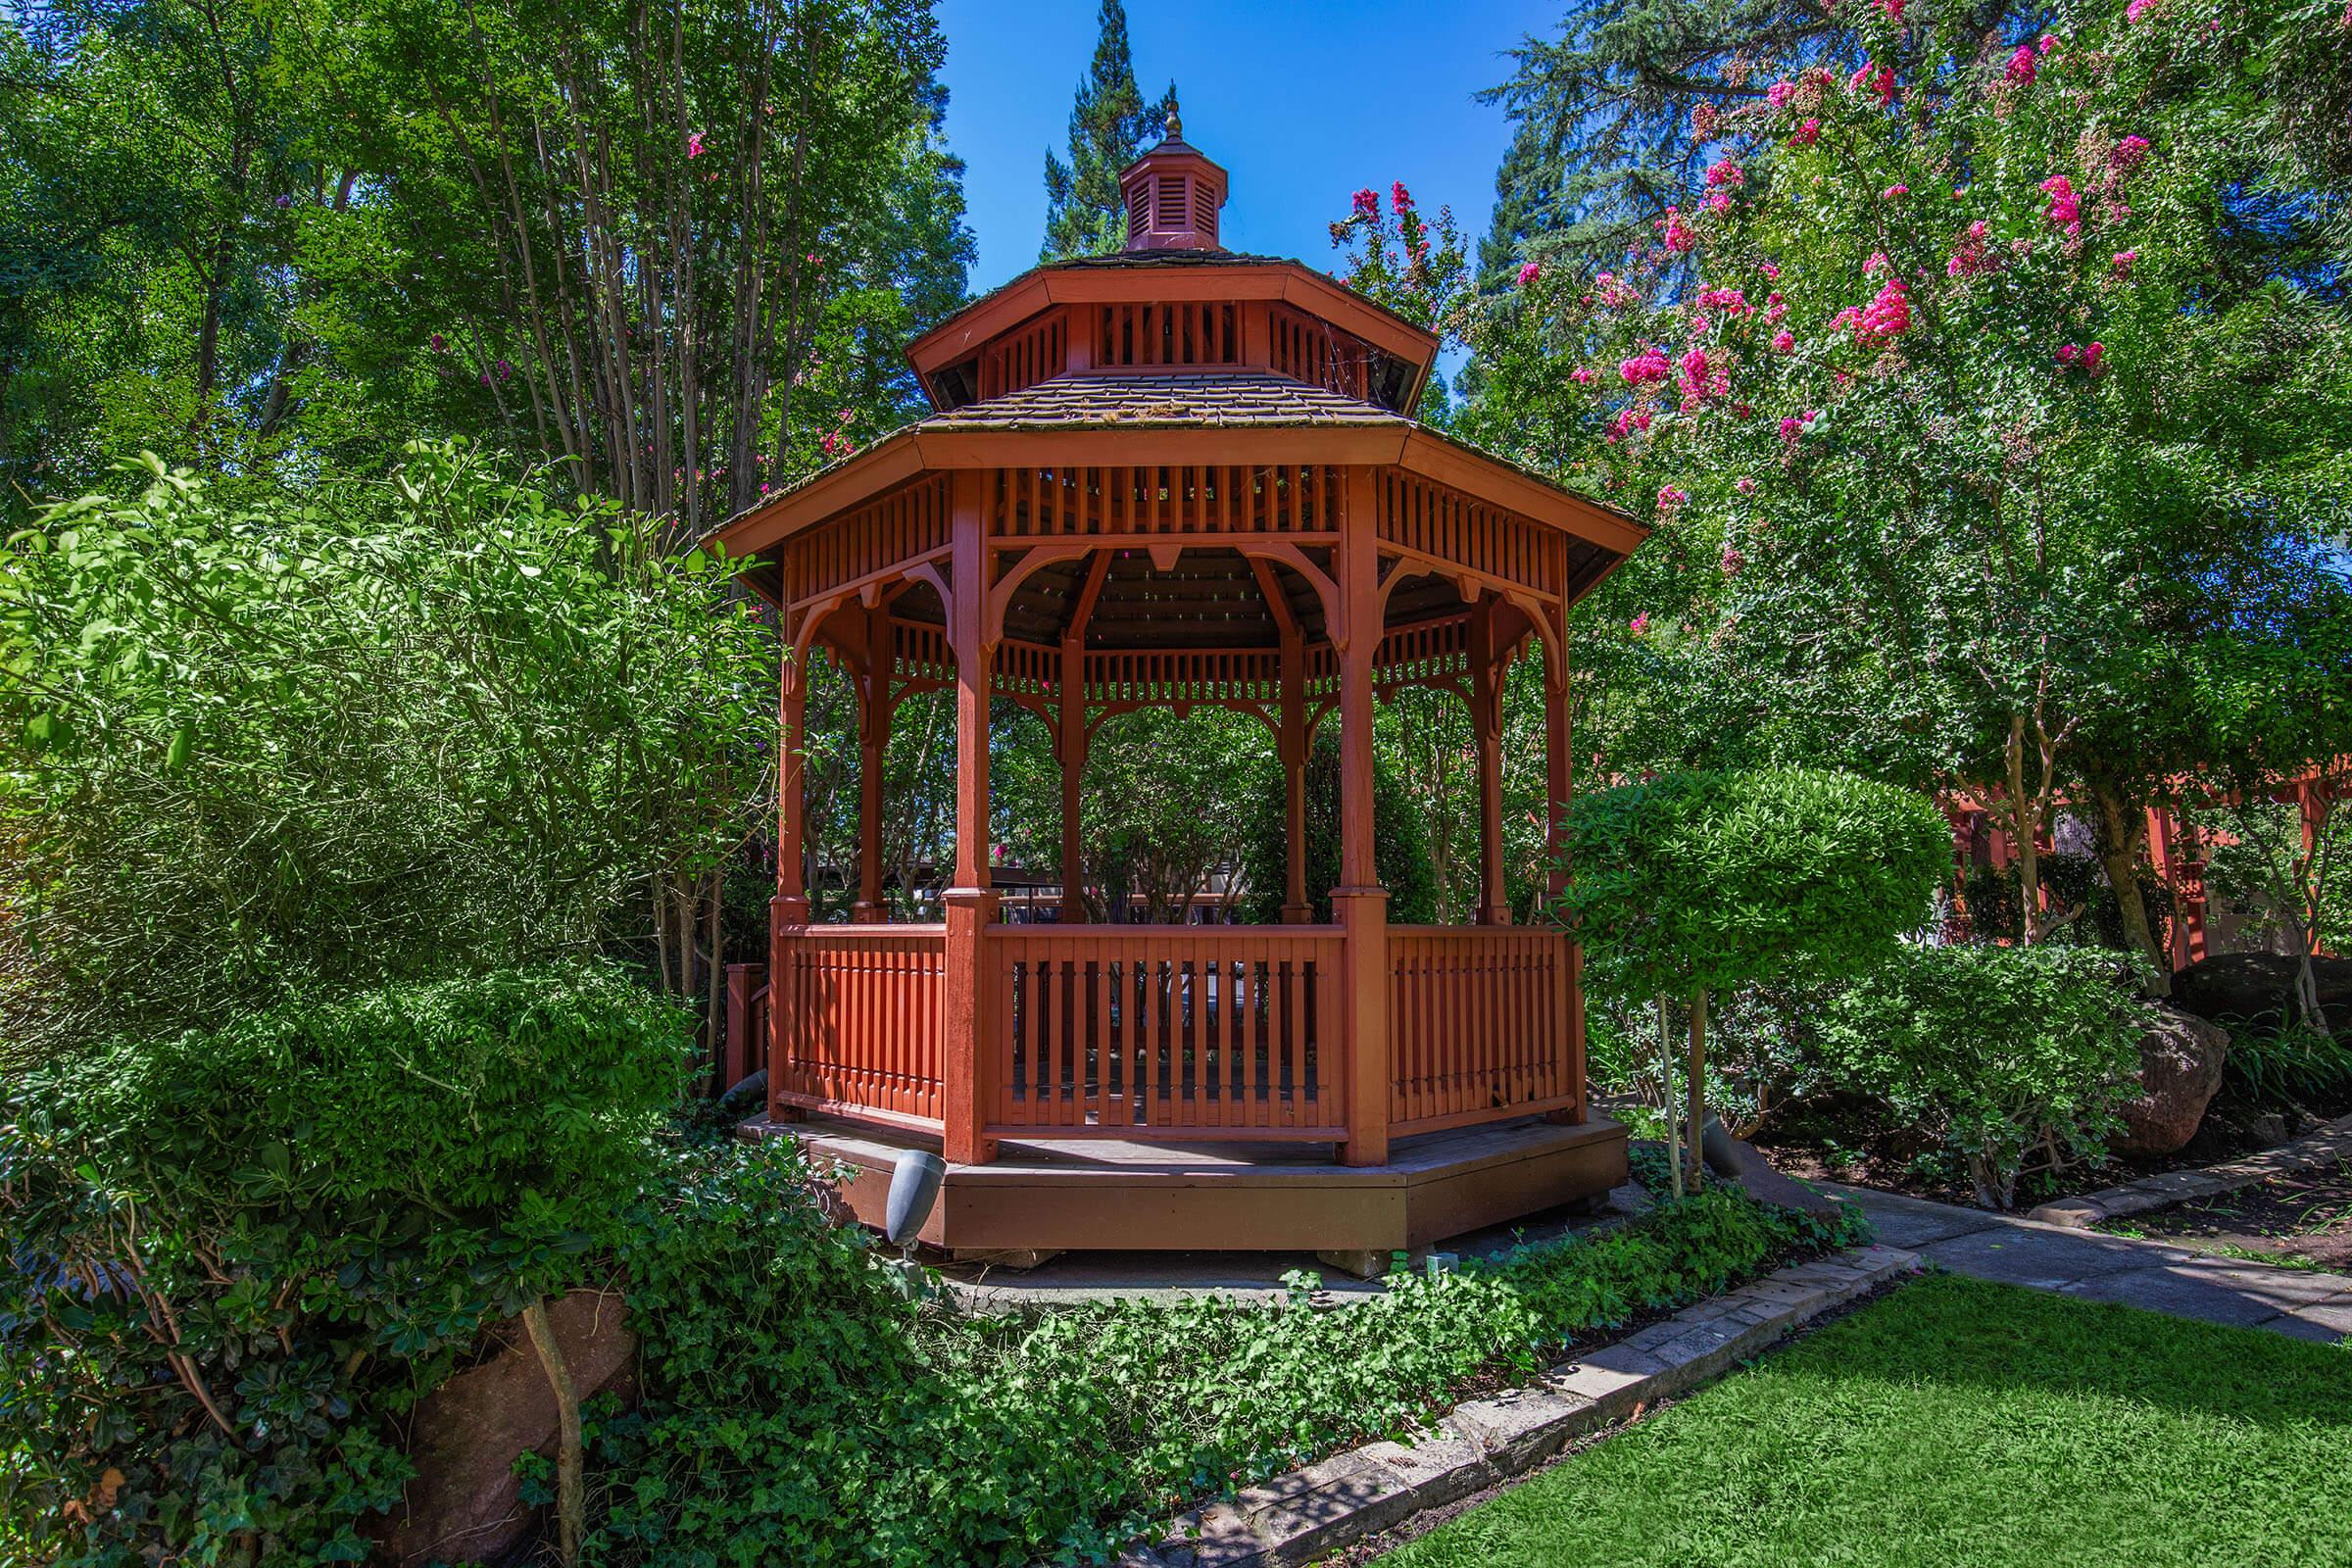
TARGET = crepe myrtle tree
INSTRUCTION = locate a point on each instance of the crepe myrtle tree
(1702, 882)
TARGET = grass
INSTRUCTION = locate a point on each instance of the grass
(1961, 1422)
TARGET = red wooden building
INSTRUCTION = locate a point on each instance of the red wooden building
(1177, 476)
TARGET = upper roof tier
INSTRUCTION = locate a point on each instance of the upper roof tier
(1174, 300)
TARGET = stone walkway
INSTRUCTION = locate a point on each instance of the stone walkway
(2304, 1302)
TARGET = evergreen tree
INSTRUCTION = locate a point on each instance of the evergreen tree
(1110, 123)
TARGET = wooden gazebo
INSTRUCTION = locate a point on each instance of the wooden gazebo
(1180, 476)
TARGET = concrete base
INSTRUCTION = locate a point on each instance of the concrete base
(1105, 1195)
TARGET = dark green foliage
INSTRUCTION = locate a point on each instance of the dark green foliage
(2013, 1058)
(1400, 848)
(798, 1410)
(1710, 881)
(1110, 123)
(304, 1218)
(254, 742)
(1959, 1421)
(2291, 1061)
(2073, 882)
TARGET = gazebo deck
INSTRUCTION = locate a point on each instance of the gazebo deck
(1111, 1194)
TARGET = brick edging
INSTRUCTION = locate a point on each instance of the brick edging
(2326, 1147)
(1352, 1495)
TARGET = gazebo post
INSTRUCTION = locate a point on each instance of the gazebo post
(1359, 902)
(1486, 719)
(1292, 746)
(1556, 741)
(1069, 749)
(971, 901)
(873, 742)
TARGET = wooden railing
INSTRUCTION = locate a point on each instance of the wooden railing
(1481, 1025)
(858, 1020)
(1156, 1031)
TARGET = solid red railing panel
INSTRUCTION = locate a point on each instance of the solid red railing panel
(1156, 1032)
(858, 1017)
(1480, 1022)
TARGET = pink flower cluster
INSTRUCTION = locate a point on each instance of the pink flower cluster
(1368, 202)
(1780, 93)
(694, 144)
(1783, 341)
(2128, 154)
(1669, 498)
(1970, 259)
(1887, 316)
(1627, 422)
(2124, 261)
(1875, 78)
(1892, 8)
(1732, 560)
(2138, 10)
(1724, 173)
(1704, 119)
(2022, 64)
(1677, 237)
(1730, 301)
(1529, 272)
(2065, 208)
(1893, 192)
(1792, 426)
(2086, 359)
(1698, 381)
(1399, 198)
(1580, 376)
(1644, 368)
(1806, 134)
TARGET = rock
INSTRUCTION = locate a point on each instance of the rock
(2258, 987)
(2179, 1067)
(463, 1438)
(746, 1098)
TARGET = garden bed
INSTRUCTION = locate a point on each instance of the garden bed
(2302, 1220)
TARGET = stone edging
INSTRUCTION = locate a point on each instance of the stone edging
(2312, 1151)
(1358, 1493)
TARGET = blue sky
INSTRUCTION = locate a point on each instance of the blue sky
(1302, 104)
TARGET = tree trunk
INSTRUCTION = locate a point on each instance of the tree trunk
(571, 1508)
(1696, 1153)
(2123, 832)
(2025, 827)
(1673, 1152)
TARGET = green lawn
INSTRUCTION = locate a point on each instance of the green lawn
(1958, 1422)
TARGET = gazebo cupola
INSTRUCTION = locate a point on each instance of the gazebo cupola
(1176, 476)
(1172, 194)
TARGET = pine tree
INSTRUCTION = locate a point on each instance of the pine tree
(1110, 123)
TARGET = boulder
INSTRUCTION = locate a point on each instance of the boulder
(2181, 1060)
(465, 1503)
(2258, 987)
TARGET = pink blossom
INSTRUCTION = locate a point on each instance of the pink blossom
(1639, 624)
(1627, 422)
(1807, 133)
(2127, 154)
(1399, 198)
(1875, 79)
(1730, 301)
(2044, 44)
(1647, 366)
(2022, 66)
(2066, 209)
(694, 144)
(1731, 560)
(2091, 355)
(2124, 261)
(1704, 118)
(1745, 486)
(1790, 429)
(2138, 9)
(1722, 172)
(440, 343)
(1580, 376)
(1775, 308)
(1678, 238)
(1779, 94)
(1694, 373)
(1783, 341)
(1670, 498)
(1878, 263)
(1368, 202)
(1893, 191)
(1970, 259)
(1719, 201)
(1892, 8)
(1771, 273)
(1529, 272)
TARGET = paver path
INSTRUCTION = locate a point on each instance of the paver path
(2304, 1302)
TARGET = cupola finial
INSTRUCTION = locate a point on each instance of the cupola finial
(1175, 123)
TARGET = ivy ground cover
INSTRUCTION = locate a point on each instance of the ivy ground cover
(1960, 1421)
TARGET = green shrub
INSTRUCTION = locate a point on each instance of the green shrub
(233, 1254)
(2290, 1062)
(1400, 844)
(2014, 1057)
(798, 1410)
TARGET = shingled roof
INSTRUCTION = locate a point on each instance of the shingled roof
(1162, 400)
